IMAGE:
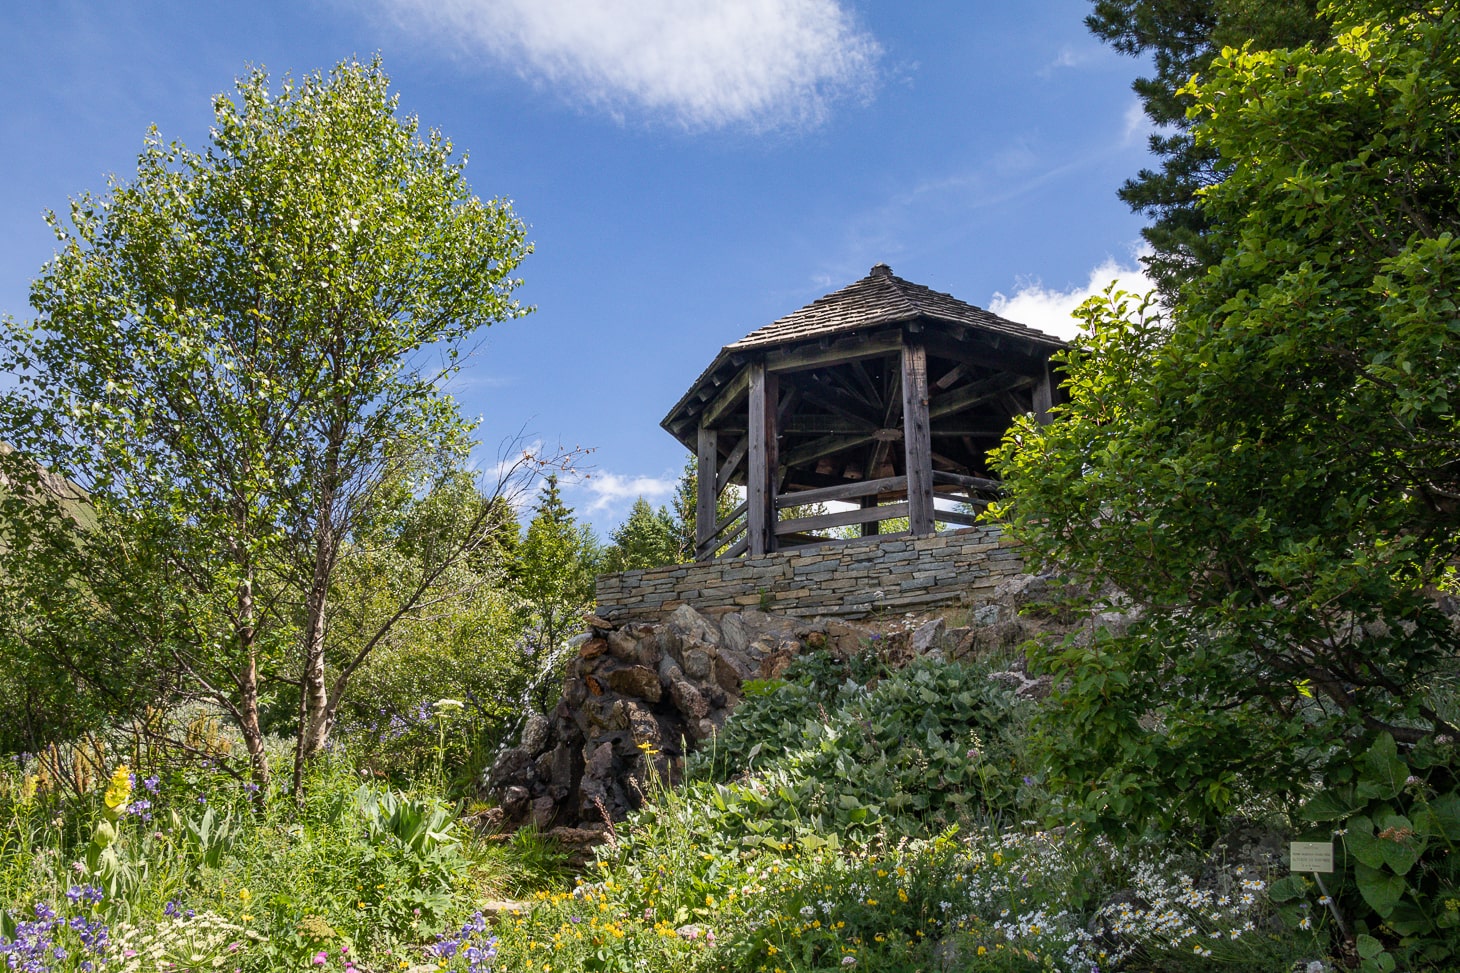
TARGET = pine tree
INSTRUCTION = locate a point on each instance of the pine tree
(649, 538)
(1183, 37)
(553, 571)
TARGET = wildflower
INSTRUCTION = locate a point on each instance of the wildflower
(119, 788)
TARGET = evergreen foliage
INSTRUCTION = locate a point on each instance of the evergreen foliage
(1183, 37)
(648, 538)
(552, 574)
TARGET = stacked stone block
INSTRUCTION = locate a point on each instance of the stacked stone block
(848, 579)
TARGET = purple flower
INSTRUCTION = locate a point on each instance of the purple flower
(150, 783)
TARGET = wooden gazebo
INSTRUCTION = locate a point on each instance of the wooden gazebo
(884, 394)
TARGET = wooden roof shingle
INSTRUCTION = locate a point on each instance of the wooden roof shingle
(879, 300)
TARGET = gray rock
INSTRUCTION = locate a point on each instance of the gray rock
(623, 646)
(690, 702)
(544, 809)
(606, 713)
(733, 634)
(697, 661)
(535, 733)
(514, 801)
(927, 638)
(685, 622)
(986, 615)
(509, 766)
(669, 671)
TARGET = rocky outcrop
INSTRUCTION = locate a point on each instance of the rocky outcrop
(638, 695)
(635, 697)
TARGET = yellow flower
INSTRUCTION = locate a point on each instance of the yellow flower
(244, 895)
(771, 950)
(901, 895)
(119, 788)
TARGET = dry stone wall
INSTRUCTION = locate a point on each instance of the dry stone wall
(848, 579)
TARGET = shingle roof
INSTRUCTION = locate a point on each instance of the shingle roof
(881, 298)
(877, 300)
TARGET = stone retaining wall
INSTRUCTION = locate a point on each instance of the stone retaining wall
(850, 579)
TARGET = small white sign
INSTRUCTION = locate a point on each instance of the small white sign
(1311, 856)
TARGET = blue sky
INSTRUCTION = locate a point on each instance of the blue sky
(690, 169)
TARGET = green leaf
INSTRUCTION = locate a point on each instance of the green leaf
(1382, 890)
(1329, 805)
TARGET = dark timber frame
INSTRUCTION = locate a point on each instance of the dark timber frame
(883, 396)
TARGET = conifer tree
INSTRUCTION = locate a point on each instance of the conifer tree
(553, 571)
(649, 538)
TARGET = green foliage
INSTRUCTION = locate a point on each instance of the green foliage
(1268, 474)
(230, 355)
(928, 746)
(1182, 38)
(552, 572)
(649, 538)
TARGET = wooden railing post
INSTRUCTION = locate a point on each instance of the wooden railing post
(917, 438)
(707, 495)
(760, 493)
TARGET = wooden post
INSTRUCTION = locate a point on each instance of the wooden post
(706, 493)
(1044, 394)
(917, 438)
(760, 492)
(870, 529)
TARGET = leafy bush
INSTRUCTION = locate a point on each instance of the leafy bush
(927, 746)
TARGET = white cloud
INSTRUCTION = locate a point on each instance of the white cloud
(1137, 125)
(1049, 309)
(609, 491)
(700, 63)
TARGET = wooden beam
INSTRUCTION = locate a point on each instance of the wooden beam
(969, 482)
(844, 491)
(836, 401)
(873, 527)
(982, 353)
(825, 446)
(732, 462)
(956, 517)
(729, 394)
(842, 518)
(975, 393)
(864, 380)
(891, 410)
(835, 353)
(706, 494)
(917, 439)
(1044, 396)
(805, 425)
(761, 480)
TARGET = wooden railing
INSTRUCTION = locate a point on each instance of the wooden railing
(734, 541)
(730, 537)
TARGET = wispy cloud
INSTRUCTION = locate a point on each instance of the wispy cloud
(1137, 125)
(1050, 309)
(698, 63)
(607, 492)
